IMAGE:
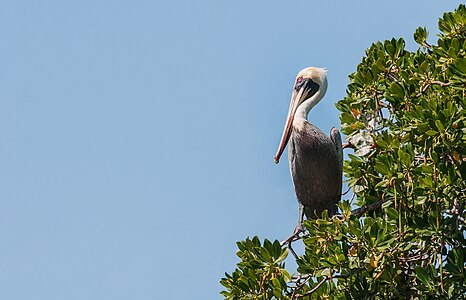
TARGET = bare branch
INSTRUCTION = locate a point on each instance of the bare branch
(424, 88)
(440, 83)
(346, 192)
(367, 208)
(348, 145)
(313, 289)
(427, 45)
(299, 284)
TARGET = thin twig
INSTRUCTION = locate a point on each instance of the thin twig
(346, 192)
(418, 257)
(292, 251)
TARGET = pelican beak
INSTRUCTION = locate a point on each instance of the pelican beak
(295, 102)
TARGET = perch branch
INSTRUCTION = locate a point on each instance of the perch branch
(367, 208)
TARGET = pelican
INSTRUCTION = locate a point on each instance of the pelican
(315, 159)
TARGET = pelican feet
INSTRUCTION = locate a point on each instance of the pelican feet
(294, 237)
(300, 228)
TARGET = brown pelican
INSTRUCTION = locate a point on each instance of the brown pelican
(315, 159)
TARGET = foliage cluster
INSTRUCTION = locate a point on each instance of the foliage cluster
(405, 116)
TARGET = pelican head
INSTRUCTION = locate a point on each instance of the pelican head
(309, 88)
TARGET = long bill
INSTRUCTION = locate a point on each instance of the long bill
(295, 101)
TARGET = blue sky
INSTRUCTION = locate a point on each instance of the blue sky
(137, 137)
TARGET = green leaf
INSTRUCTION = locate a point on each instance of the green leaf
(389, 48)
(420, 35)
(323, 222)
(458, 67)
(424, 67)
(422, 275)
(392, 213)
(265, 254)
(396, 90)
(439, 125)
(276, 283)
(282, 256)
(387, 203)
(286, 275)
(381, 168)
(277, 248)
(455, 44)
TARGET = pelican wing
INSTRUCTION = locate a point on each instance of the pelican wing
(336, 139)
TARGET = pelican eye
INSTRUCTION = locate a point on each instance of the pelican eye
(299, 82)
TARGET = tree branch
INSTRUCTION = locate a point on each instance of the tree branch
(424, 88)
(299, 284)
(427, 45)
(367, 208)
(312, 290)
(348, 145)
